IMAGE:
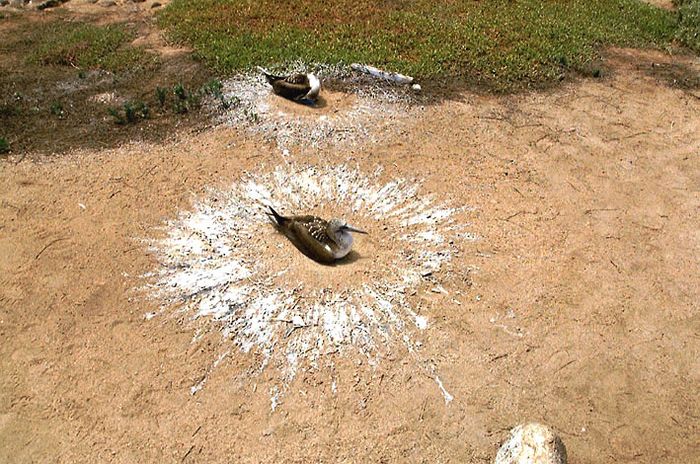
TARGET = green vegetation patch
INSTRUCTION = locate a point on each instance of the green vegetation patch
(87, 46)
(502, 44)
(130, 113)
(4, 146)
(688, 32)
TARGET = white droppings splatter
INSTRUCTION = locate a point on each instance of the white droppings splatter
(198, 386)
(510, 314)
(213, 267)
(251, 106)
(274, 398)
(445, 393)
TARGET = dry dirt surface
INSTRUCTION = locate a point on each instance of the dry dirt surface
(668, 4)
(574, 302)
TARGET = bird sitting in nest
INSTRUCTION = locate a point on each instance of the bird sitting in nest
(298, 87)
(321, 240)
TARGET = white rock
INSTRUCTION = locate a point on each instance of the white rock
(532, 444)
(416, 87)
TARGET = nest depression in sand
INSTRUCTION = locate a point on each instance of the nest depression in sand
(352, 109)
(225, 266)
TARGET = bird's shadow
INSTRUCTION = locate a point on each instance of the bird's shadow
(350, 258)
(320, 103)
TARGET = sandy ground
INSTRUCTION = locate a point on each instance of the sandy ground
(577, 306)
(668, 4)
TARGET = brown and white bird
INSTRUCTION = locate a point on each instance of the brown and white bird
(297, 87)
(321, 240)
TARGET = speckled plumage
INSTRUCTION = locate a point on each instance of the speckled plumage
(323, 241)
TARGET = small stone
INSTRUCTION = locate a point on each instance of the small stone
(416, 87)
(532, 443)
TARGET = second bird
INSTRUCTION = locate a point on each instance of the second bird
(321, 240)
(297, 87)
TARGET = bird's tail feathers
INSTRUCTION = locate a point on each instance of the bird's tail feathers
(270, 77)
(278, 218)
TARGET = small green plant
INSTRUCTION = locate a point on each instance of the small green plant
(215, 89)
(184, 100)
(161, 95)
(57, 109)
(181, 105)
(4, 145)
(179, 91)
(251, 116)
(116, 114)
(135, 111)
(130, 113)
(82, 74)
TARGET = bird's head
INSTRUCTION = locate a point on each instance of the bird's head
(338, 228)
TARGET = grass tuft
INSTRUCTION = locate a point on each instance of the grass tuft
(502, 44)
(184, 101)
(130, 113)
(4, 146)
(56, 109)
(161, 95)
(215, 89)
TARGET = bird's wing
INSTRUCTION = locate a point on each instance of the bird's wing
(314, 225)
(310, 232)
(271, 78)
(292, 90)
(298, 79)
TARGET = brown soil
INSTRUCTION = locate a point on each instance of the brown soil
(28, 91)
(668, 4)
(586, 201)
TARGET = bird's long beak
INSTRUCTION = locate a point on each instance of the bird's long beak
(353, 229)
